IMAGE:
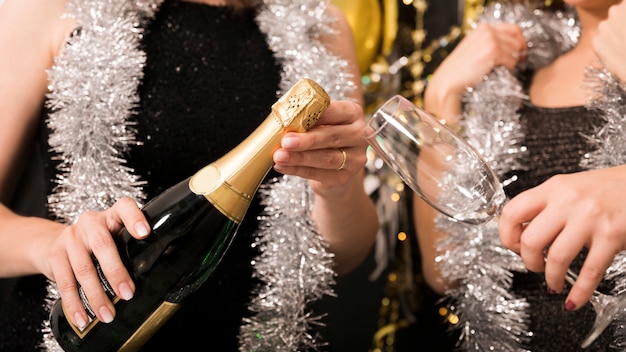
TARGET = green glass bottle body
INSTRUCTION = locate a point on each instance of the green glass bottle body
(193, 224)
(189, 237)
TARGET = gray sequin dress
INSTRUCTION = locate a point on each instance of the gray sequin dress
(556, 145)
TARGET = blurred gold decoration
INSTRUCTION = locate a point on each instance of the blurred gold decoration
(374, 25)
(422, 55)
(471, 10)
(365, 19)
(381, 80)
(390, 25)
(450, 316)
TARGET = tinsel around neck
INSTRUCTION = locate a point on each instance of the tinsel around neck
(93, 93)
(491, 316)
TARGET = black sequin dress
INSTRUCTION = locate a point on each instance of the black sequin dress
(210, 80)
(556, 145)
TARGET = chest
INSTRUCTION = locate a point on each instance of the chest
(562, 83)
(210, 78)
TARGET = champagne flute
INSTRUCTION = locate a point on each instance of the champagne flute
(453, 178)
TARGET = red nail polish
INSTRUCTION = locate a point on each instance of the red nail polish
(551, 291)
(569, 305)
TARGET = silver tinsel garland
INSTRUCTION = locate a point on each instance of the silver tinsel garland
(93, 88)
(609, 96)
(491, 318)
(296, 268)
(93, 85)
(294, 264)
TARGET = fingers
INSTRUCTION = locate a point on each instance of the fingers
(341, 112)
(72, 261)
(538, 235)
(603, 237)
(66, 279)
(73, 265)
(484, 48)
(566, 246)
(568, 213)
(131, 216)
(502, 44)
(511, 44)
(598, 259)
(321, 164)
(331, 152)
(516, 214)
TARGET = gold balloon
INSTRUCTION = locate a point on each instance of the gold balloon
(365, 19)
(390, 22)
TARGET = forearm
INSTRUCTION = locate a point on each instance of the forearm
(428, 236)
(443, 99)
(349, 223)
(23, 243)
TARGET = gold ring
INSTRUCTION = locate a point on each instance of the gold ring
(345, 158)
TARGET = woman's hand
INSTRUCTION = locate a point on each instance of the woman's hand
(484, 48)
(332, 157)
(70, 260)
(567, 213)
(609, 41)
(330, 154)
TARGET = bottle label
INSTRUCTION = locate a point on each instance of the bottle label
(142, 334)
(139, 338)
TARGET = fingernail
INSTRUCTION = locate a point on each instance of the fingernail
(281, 156)
(125, 292)
(569, 305)
(551, 291)
(106, 315)
(290, 142)
(141, 229)
(79, 321)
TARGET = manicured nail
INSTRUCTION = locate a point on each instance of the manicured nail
(125, 292)
(79, 321)
(290, 142)
(281, 156)
(141, 229)
(569, 305)
(106, 315)
(551, 291)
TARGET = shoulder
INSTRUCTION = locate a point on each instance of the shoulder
(342, 44)
(36, 22)
(341, 22)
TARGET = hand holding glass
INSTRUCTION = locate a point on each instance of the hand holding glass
(452, 177)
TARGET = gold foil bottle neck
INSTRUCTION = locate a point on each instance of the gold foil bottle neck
(231, 182)
(301, 107)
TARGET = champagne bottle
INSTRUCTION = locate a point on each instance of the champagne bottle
(193, 224)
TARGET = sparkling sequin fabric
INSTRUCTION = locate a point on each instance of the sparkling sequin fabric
(556, 144)
(501, 307)
(551, 132)
(197, 106)
(220, 87)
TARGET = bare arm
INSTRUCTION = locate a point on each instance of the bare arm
(30, 245)
(484, 48)
(27, 53)
(609, 42)
(344, 213)
(487, 46)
